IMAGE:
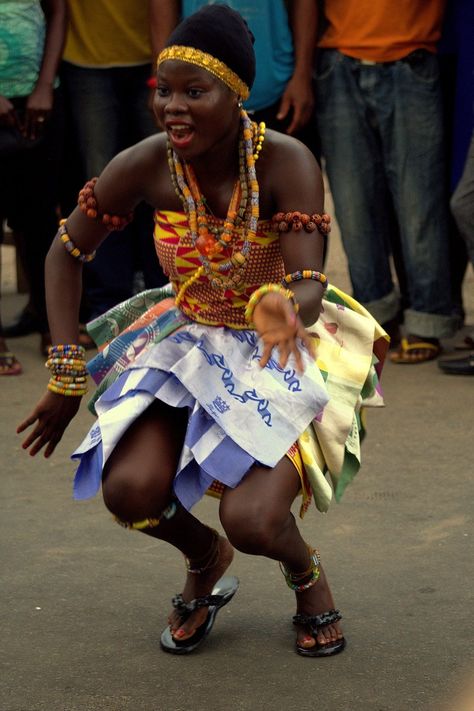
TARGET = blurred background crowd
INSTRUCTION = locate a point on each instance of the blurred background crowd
(383, 99)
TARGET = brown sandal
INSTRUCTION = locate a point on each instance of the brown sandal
(9, 364)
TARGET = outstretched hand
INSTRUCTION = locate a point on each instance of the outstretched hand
(278, 326)
(51, 416)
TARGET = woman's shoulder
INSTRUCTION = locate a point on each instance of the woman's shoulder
(286, 167)
(150, 151)
(140, 171)
(280, 145)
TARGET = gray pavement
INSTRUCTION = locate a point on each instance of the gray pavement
(83, 602)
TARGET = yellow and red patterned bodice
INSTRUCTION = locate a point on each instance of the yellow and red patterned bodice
(202, 302)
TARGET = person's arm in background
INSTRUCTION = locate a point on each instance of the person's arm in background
(298, 96)
(164, 16)
(40, 102)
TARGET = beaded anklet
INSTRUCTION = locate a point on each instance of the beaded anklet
(299, 582)
(71, 247)
(287, 221)
(168, 513)
(209, 559)
(259, 293)
(305, 274)
(87, 202)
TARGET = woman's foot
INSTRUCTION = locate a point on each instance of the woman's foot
(199, 585)
(8, 363)
(316, 600)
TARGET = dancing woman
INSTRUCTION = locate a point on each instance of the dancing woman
(239, 379)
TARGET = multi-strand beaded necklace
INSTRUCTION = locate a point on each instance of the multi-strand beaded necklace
(209, 240)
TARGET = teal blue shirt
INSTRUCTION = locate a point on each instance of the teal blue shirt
(22, 33)
(268, 20)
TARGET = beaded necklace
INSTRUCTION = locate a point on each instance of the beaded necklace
(243, 211)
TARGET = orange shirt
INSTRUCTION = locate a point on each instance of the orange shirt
(382, 30)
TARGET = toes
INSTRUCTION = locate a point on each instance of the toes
(305, 640)
(322, 639)
(187, 629)
(328, 634)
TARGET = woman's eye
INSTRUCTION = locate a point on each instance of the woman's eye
(162, 90)
(195, 93)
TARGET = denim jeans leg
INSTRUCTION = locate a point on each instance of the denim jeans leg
(462, 202)
(354, 164)
(412, 132)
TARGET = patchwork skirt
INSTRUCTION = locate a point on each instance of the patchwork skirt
(239, 413)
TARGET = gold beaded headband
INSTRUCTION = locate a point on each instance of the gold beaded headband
(208, 62)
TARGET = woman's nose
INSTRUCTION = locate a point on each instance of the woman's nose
(175, 104)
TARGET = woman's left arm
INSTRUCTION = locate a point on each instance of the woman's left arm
(301, 189)
(298, 186)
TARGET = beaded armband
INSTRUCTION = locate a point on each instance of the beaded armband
(305, 274)
(260, 293)
(88, 204)
(67, 364)
(287, 221)
(71, 247)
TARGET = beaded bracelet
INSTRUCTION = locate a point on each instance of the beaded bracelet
(68, 392)
(260, 293)
(67, 365)
(87, 202)
(306, 274)
(71, 247)
(286, 221)
(66, 348)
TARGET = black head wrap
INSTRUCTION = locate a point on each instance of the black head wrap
(221, 32)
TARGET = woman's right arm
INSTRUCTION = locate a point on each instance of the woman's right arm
(121, 186)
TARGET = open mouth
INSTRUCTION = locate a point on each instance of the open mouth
(180, 134)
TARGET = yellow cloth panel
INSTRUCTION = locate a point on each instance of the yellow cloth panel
(108, 33)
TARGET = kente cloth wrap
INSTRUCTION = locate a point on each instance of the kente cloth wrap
(239, 413)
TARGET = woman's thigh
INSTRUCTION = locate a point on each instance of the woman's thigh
(138, 476)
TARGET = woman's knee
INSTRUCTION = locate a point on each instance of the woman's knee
(133, 496)
(253, 529)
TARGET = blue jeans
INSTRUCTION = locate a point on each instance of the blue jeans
(462, 202)
(382, 139)
(109, 111)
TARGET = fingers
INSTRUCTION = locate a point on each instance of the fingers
(40, 438)
(295, 121)
(284, 108)
(26, 423)
(266, 355)
(34, 124)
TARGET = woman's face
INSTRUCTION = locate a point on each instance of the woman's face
(196, 109)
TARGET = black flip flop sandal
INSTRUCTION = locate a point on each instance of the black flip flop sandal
(314, 623)
(222, 593)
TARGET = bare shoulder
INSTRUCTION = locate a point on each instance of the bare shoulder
(137, 173)
(290, 174)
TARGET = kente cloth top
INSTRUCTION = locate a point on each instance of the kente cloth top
(268, 21)
(373, 31)
(22, 33)
(108, 33)
(202, 302)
